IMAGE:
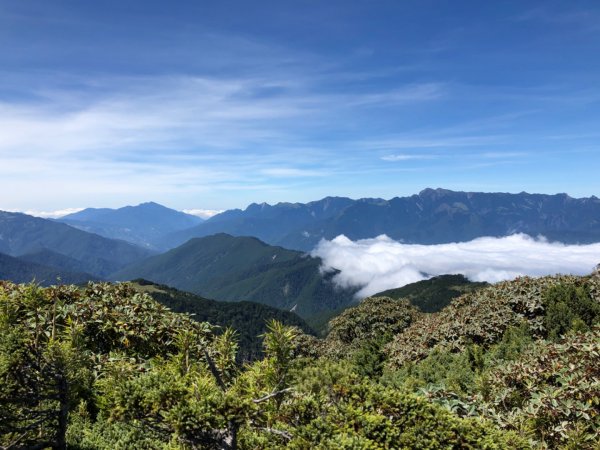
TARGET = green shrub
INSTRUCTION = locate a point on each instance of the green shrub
(452, 371)
(483, 316)
(550, 392)
(569, 307)
(370, 320)
(347, 411)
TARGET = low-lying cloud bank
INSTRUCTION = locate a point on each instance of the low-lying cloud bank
(378, 264)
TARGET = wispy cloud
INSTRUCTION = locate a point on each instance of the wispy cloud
(162, 134)
(502, 155)
(409, 94)
(375, 265)
(586, 20)
(177, 112)
(416, 141)
(290, 172)
(203, 213)
(407, 157)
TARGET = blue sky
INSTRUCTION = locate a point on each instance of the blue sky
(217, 104)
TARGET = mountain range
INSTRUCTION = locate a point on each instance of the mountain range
(434, 216)
(258, 254)
(142, 225)
(63, 245)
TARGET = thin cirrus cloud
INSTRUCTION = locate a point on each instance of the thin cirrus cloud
(425, 156)
(377, 264)
(173, 113)
(407, 157)
(291, 172)
(419, 141)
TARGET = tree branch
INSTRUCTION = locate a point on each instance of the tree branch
(284, 434)
(214, 371)
(271, 395)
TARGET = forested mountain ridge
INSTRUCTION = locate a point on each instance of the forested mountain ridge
(244, 268)
(435, 293)
(21, 234)
(431, 217)
(21, 270)
(142, 225)
(248, 319)
(52, 259)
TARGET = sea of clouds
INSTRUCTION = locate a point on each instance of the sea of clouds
(374, 265)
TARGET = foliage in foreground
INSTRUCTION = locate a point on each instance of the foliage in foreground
(548, 306)
(106, 367)
(540, 377)
(523, 354)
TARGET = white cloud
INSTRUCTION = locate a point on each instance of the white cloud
(133, 139)
(49, 214)
(378, 264)
(203, 213)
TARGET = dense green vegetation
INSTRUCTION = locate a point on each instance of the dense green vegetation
(249, 319)
(524, 354)
(107, 367)
(243, 268)
(435, 293)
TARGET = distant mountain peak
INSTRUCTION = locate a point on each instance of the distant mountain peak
(142, 224)
(150, 205)
(437, 192)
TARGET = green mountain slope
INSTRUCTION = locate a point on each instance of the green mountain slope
(52, 259)
(428, 295)
(21, 234)
(249, 319)
(22, 271)
(435, 293)
(243, 268)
